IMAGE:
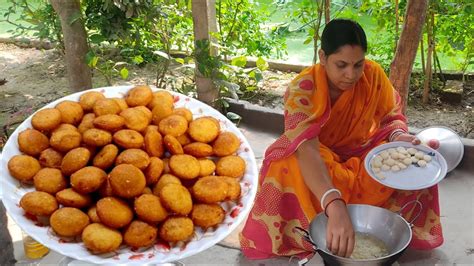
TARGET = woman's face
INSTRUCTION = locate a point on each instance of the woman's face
(345, 67)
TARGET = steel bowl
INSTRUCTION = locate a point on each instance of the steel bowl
(387, 226)
(450, 144)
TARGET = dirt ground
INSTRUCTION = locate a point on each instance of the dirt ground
(36, 77)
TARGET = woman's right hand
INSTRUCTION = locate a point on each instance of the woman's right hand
(340, 236)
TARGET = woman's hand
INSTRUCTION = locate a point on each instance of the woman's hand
(433, 143)
(340, 236)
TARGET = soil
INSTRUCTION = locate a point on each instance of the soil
(36, 77)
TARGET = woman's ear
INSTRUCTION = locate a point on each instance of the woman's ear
(322, 57)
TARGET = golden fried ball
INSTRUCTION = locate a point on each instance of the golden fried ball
(70, 198)
(96, 137)
(174, 125)
(106, 107)
(46, 119)
(71, 112)
(50, 158)
(198, 149)
(146, 111)
(172, 145)
(154, 142)
(177, 229)
(106, 189)
(86, 123)
(162, 98)
(210, 189)
(127, 181)
(66, 127)
(68, 221)
(166, 166)
(207, 167)
(215, 120)
(136, 157)
(176, 198)
(121, 103)
(88, 100)
(109, 122)
(163, 181)
(74, 160)
(149, 209)
(184, 139)
(135, 119)
(161, 111)
(185, 166)
(23, 167)
(49, 180)
(106, 156)
(38, 203)
(232, 165)
(207, 215)
(203, 130)
(140, 234)
(32, 142)
(114, 212)
(147, 190)
(101, 239)
(234, 188)
(227, 143)
(65, 140)
(154, 170)
(88, 179)
(92, 213)
(128, 139)
(184, 112)
(139, 95)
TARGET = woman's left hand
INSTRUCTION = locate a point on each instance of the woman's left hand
(433, 143)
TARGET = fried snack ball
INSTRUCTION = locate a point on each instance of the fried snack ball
(88, 179)
(38, 203)
(163, 181)
(154, 170)
(92, 213)
(153, 141)
(166, 166)
(106, 156)
(86, 123)
(210, 189)
(106, 107)
(184, 112)
(140, 234)
(66, 127)
(176, 198)
(172, 145)
(32, 142)
(149, 209)
(203, 130)
(185, 166)
(163, 98)
(177, 229)
(109, 122)
(88, 100)
(68, 221)
(127, 181)
(174, 125)
(146, 111)
(114, 212)
(70, 198)
(135, 119)
(101, 239)
(46, 119)
(50, 158)
(139, 95)
(232, 165)
(120, 102)
(74, 160)
(207, 215)
(106, 189)
(128, 139)
(226, 143)
(49, 180)
(207, 167)
(71, 112)
(23, 167)
(198, 149)
(234, 188)
(136, 157)
(65, 140)
(147, 190)
(161, 111)
(96, 137)
(184, 139)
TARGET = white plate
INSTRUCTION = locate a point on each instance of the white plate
(413, 177)
(158, 253)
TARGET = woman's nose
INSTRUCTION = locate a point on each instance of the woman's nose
(350, 73)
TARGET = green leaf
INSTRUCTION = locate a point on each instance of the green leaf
(138, 59)
(239, 61)
(262, 64)
(96, 38)
(179, 60)
(124, 73)
(162, 54)
(233, 117)
(308, 40)
(91, 59)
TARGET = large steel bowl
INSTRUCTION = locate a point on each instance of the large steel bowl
(387, 226)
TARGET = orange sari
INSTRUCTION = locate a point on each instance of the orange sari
(360, 119)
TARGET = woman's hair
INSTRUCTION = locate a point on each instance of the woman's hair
(339, 32)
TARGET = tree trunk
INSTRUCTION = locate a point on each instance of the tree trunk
(75, 43)
(327, 11)
(402, 64)
(396, 24)
(429, 57)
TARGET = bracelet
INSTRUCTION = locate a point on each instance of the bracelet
(395, 133)
(327, 193)
(329, 203)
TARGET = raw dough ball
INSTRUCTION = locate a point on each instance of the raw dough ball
(407, 161)
(402, 150)
(391, 150)
(376, 170)
(422, 163)
(376, 164)
(402, 166)
(419, 155)
(395, 168)
(427, 158)
(384, 155)
(411, 151)
(385, 167)
(414, 159)
(389, 162)
(394, 155)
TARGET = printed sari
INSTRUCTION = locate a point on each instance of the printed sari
(359, 120)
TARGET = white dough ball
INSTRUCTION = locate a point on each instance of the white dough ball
(412, 151)
(427, 158)
(384, 155)
(391, 150)
(402, 156)
(394, 155)
(378, 158)
(395, 168)
(376, 163)
(419, 155)
(389, 162)
(402, 150)
(385, 167)
(414, 159)
(402, 166)
(407, 161)
(422, 163)
(376, 169)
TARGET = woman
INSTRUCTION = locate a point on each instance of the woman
(335, 112)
